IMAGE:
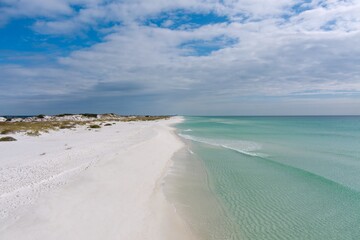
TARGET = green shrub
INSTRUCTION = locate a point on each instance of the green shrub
(94, 126)
(89, 115)
(66, 126)
(7, 139)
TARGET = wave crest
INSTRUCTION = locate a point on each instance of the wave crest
(241, 146)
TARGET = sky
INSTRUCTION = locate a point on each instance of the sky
(187, 57)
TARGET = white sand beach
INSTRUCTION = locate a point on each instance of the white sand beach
(90, 184)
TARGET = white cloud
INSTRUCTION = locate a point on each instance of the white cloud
(34, 8)
(315, 52)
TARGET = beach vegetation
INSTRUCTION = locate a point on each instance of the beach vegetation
(89, 115)
(67, 126)
(6, 131)
(64, 115)
(43, 126)
(33, 133)
(144, 118)
(35, 128)
(7, 139)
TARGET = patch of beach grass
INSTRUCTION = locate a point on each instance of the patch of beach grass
(89, 115)
(36, 127)
(94, 126)
(7, 139)
(67, 126)
(144, 118)
(33, 133)
(6, 131)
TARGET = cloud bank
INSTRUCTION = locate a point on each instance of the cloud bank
(186, 57)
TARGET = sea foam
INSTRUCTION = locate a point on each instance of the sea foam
(243, 147)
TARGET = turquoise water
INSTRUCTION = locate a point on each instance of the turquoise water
(275, 177)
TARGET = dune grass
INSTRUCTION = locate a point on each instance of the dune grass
(6, 131)
(37, 128)
(144, 118)
(94, 126)
(7, 139)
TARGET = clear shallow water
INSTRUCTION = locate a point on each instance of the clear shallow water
(271, 177)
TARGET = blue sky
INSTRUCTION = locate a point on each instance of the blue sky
(205, 57)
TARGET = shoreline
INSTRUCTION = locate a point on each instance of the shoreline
(116, 195)
(189, 187)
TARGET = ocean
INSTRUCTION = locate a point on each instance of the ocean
(268, 178)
